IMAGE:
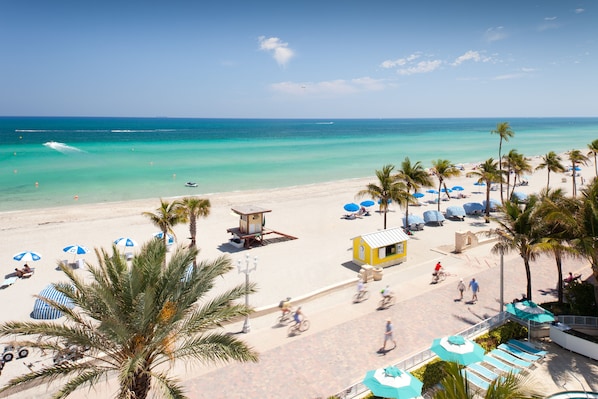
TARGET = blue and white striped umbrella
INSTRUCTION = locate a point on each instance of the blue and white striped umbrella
(27, 256)
(169, 237)
(125, 242)
(75, 249)
(45, 311)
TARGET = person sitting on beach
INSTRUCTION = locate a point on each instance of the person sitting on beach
(569, 278)
(19, 273)
(27, 269)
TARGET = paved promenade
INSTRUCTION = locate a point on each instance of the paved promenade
(344, 338)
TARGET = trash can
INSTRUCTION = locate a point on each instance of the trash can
(377, 273)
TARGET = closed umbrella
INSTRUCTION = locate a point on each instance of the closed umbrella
(458, 349)
(47, 305)
(391, 382)
(27, 256)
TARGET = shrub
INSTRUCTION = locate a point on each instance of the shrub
(502, 334)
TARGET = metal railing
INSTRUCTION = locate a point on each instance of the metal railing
(579, 321)
(420, 358)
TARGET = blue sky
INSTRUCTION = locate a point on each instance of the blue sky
(299, 59)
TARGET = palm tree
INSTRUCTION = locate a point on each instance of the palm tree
(519, 165)
(505, 132)
(593, 147)
(137, 321)
(193, 208)
(166, 217)
(522, 231)
(488, 173)
(443, 169)
(557, 214)
(456, 386)
(585, 225)
(576, 158)
(414, 176)
(388, 189)
(552, 163)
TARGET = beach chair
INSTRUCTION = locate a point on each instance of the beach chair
(483, 371)
(527, 347)
(8, 281)
(519, 353)
(477, 381)
(497, 364)
(508, 358)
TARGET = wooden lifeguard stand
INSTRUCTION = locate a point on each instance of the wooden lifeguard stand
(252, 223)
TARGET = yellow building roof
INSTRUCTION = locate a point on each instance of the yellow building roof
(383, 238)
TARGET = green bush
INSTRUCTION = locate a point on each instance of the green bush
(582, 299)
(430, 374)
(502, 334)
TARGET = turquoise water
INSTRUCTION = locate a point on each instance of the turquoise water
(114, 159)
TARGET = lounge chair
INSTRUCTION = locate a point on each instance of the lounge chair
(483, 371)
(508, 358)
(527, 347)
(497, 364)
(519, 353)
(9, 281)
(477, 381)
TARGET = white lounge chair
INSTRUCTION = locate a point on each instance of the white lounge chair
(8, 281)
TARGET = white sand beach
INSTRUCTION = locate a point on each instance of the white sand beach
(320, 256)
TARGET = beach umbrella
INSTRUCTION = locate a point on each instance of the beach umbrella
(48, 311)
(530, 311)
(432, 191)
(169, 237)
(418, 195)
(367, 203)
(446, 190)
(458, 188)
(479, 183)
(351, 207)
(391, 382)
(75, 249)
(458, 349)
(27, 256)
(125, 242)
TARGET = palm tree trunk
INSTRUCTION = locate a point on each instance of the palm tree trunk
(559, 268)
(488, 202)
(140, 385)
(548, 180)
(528, 276)
(502, 200)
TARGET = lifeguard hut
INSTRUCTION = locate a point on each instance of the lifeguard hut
(381, 248)
(252, 222)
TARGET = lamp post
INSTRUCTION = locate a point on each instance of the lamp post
(247, 270)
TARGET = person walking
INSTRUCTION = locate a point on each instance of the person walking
(388, 335)
(461, 288)
(475, 288)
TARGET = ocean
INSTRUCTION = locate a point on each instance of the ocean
(48, 162)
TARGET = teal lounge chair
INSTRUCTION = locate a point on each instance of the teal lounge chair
(513, 350)
(508, 358)
(494, 362)
(527, 347)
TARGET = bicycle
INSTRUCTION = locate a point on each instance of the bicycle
(362, 295)
(438, 277)
(285, 318)
(386, 301)
(298, 328)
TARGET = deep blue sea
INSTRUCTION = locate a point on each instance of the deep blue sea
(46, 162)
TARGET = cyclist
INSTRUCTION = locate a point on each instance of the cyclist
(298, 316)
(386, 293)
(286, 306)
(360, 286)
(437, 269)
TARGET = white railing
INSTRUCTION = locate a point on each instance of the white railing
(420, 358)
(579, 321)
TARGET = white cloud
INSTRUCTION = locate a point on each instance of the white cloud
(400, 61)
(579, 10)
(334, 87)
(495, 34)
(508, 76)
(421, 67)
(471, 55)
(549, 18)
(279, 49)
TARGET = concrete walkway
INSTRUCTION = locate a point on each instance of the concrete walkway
(344, 338)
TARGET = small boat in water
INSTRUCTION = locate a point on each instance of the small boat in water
(190, 184)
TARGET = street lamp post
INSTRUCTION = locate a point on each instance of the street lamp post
(247, 270)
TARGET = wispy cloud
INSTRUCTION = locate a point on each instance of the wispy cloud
(330, 87)
(409, 66)
(400, 61)
(471, 55)
(495, 34)
(579, 10)
(280, 50)
(549, 18)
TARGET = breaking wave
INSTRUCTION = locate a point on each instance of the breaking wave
(63, 148)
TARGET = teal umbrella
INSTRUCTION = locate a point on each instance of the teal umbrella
(530, 311)
(458, 349)
(391, 382)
